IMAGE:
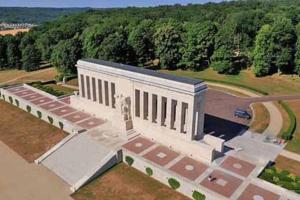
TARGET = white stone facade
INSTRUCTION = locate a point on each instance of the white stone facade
(164, 108)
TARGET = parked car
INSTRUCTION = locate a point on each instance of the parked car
(241, 113)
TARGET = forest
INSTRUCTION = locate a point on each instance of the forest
(34, 15)
(227, 36)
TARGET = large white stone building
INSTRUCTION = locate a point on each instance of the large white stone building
(162, 107)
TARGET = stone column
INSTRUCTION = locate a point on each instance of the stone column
(168, 112)
(109, 94)
(150, 107)
(190, 121)
(158, 119)
(178, 116)
(142, 104)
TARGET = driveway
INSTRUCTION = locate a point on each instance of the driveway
(21, 180)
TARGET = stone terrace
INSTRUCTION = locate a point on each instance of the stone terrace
(228, 178)
(59, 107)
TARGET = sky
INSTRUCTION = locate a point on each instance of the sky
(95, 3)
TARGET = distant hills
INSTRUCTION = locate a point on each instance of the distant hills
(34, 15)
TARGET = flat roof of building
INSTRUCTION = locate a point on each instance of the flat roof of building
(140, 70)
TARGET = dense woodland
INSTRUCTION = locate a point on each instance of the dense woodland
(228, 36)
(34, 15)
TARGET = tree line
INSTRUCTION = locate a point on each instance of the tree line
(227, 37)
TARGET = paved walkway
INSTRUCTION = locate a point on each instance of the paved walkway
(290, 155)
(21, 180)
(276, 120)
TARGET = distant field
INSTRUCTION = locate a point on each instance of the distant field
(275, 84)
(14, 31)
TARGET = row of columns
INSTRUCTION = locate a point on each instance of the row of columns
(97, 90)
(161, 110)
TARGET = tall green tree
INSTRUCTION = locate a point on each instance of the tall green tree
(13, 52)
(115, 47)
(297, 55)
(3, 57)
(65, 55)
(141, 39)
(199, 45)
(169, 43)
(284, 39)
(263, 53)
(30, 58)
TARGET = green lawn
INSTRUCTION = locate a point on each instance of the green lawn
(294, 144)
(123, 183)
(274, 84)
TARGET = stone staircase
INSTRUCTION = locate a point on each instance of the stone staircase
(131, 134)
(80, 159)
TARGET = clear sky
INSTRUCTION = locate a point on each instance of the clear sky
(95, 3)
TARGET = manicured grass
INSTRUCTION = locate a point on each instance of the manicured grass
(20, 76)
(29, 136)
(294, 144)
(285, 163)
(123, 183)
(227, 90)
(73, 82)
(63, 89)
(272, 84)
(262, 118)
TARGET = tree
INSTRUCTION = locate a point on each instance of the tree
(284, 39)
(222, 61)
(115, 48)
(30, 58)
(13, 52)
(199, 45)
(262, 54)
(141, 39)
(3, 57)
(169, 43)
(297, 55)
(65, 55)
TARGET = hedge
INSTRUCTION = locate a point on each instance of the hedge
(28, 108)
(198, 196)
(173, 183)
(288, 134)
(50, 119)
(149, 171)
(47, 89)
(236, 84)
(129, 160)
(39, 114)
(10, 99)
(17, 102)
(281, 178)
(61, 125)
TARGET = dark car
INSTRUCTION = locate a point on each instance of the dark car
(241, 113)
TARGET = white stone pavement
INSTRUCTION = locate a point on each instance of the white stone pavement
(290, 155)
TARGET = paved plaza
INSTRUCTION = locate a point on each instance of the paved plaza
(59, 107)
(230, 177)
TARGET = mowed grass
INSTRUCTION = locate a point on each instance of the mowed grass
(294, 144)
(29, 136)
(275, 84)
(123, 183)
(290, 165)
(262, 118)
(61, 88)
(21, 76)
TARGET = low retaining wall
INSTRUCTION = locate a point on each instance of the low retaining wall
(161, 174)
